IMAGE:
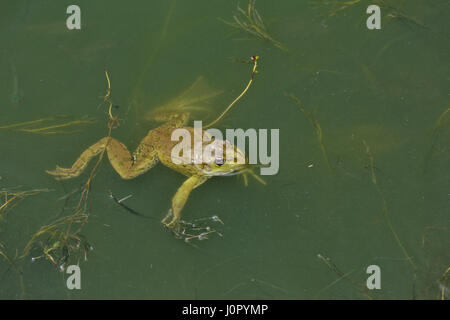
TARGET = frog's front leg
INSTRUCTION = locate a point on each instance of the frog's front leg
(180, 198)
(126, 165)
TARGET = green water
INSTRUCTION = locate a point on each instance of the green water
(386, 87)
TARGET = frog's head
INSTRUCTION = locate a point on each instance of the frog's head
(221, 158)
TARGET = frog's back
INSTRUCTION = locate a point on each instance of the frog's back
(183, 152)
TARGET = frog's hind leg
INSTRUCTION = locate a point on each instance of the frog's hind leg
(180, 198)
(126, 165)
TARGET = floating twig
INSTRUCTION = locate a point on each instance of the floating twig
(443, 284)
(123, 205)
(28, 126)
(254, 61)
(11, 198)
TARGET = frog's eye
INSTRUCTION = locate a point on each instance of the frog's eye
(219, 162)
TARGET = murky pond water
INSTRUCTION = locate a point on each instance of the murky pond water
(363, 165)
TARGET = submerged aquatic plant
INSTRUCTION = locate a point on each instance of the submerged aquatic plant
(250, 21)
(56, 125)
(11, 198)
(342, 276)
(316, 125)
(56, 241)
(444, 283)
(442, 120)
(437, 130)
(396, 13)
(58, 244)
(385, 211)
(3, 253)
(393, 12)
(61, 241)
(342, 5)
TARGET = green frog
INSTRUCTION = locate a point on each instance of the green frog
(156, 147)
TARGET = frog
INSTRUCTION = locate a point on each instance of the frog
(156, 147)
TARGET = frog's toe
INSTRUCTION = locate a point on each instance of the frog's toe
(169, 221)
(55, 174)
(60, 169)
(174, 224)
(61, 173)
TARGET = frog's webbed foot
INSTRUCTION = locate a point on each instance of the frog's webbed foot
(198, 229)
(189, 231)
